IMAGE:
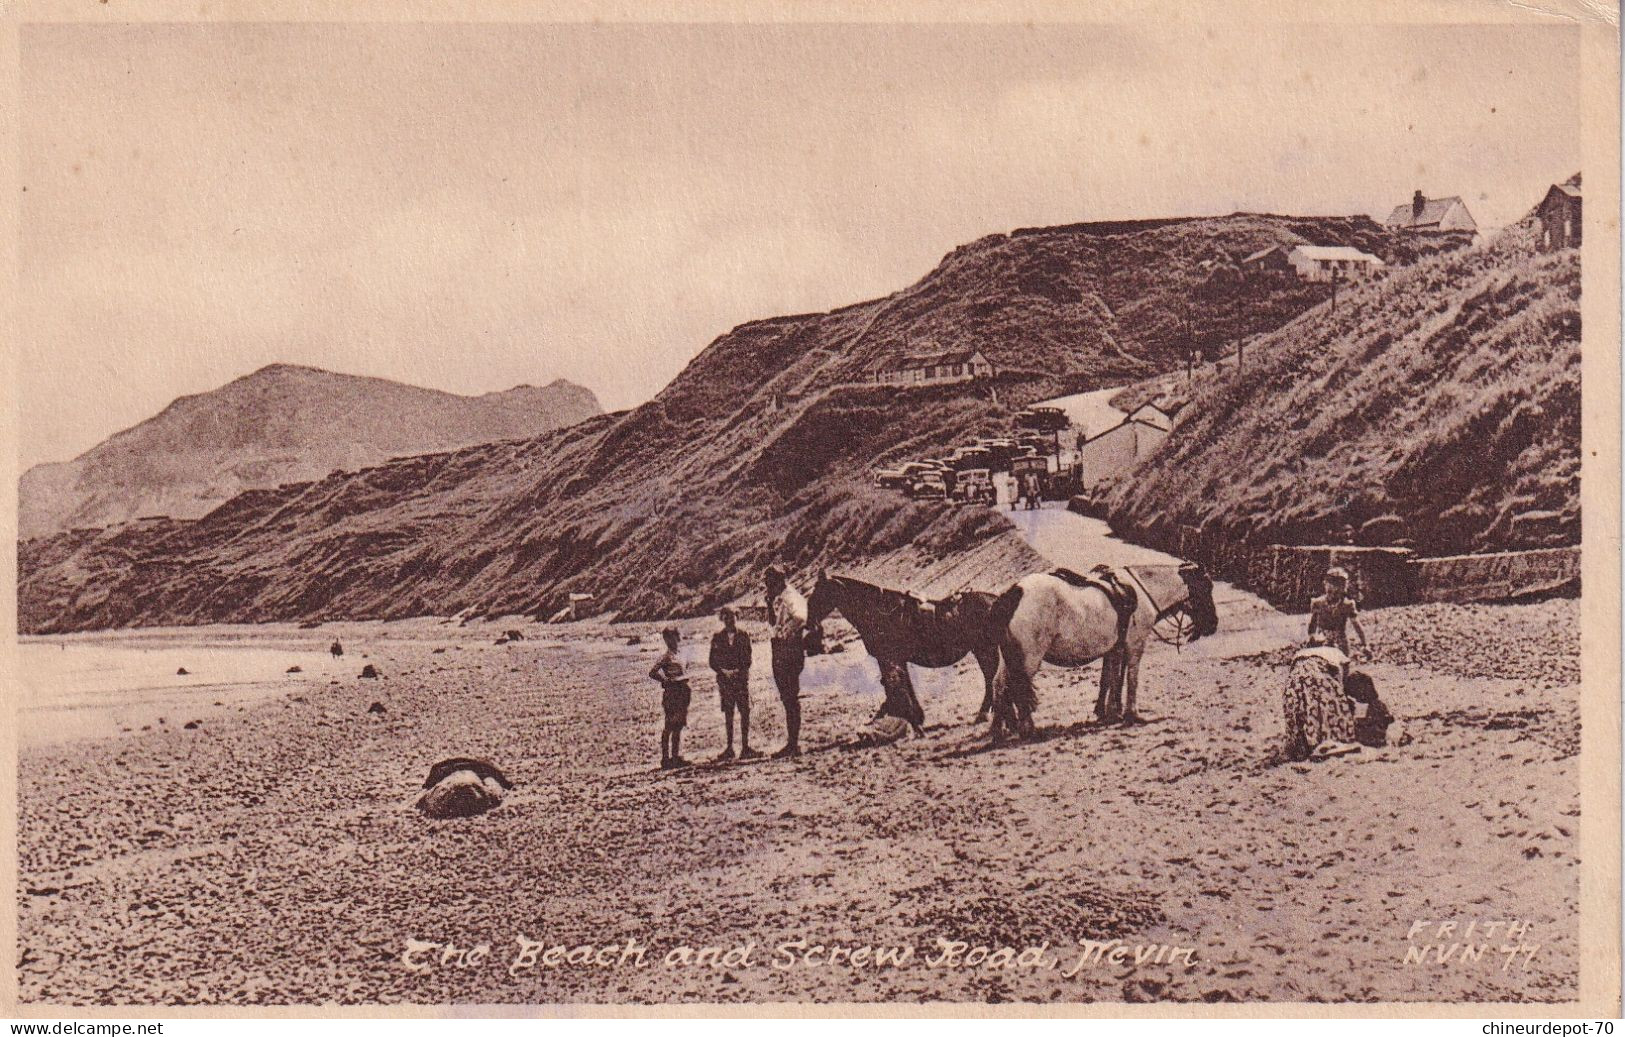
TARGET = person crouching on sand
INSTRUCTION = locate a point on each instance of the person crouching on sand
(730, 660)
(674, 696)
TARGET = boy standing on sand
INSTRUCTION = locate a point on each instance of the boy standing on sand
(730, 659)
(674, 696)
(1334, 611)
(787, 614)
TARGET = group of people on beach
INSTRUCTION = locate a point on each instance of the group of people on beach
(730, 660)
(1321, 703)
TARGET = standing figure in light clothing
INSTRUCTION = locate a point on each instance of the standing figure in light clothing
(787, 615)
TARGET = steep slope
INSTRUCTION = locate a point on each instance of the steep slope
(281, 424)
(1438, 408)
(758, 451)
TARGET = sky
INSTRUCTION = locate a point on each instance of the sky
(473, 207)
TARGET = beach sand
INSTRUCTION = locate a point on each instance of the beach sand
(271, 854)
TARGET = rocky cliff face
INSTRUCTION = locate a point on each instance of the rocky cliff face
(758, 451)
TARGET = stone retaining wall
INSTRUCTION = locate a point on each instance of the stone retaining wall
(1287, 577)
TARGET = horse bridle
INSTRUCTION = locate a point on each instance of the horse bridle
(1161, 613)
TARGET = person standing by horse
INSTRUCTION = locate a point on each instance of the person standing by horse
(730, 661)
(787, 615)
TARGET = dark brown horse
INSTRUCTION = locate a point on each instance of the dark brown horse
(898, 628)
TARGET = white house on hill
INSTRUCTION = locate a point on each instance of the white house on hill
(1432, 214)
(941, 369)
(1324, 262)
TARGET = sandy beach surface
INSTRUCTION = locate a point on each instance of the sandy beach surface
(269, 852)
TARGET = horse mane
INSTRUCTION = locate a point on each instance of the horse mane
(871, 591)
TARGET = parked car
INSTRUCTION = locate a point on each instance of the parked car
(1045, 419)
(968, 457)
(891, 478)
(1040, 444)
(974, 486)
(929, 486)
(1000, 451)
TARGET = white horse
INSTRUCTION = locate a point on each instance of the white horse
(1048, 619)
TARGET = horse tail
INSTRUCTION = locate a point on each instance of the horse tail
(1017, 683)
(1001, 611)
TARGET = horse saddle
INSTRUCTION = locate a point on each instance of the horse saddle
(1104, 578)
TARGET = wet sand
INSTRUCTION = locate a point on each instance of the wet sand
(271, 855)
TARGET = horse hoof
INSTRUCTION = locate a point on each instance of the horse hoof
(1131, 720)
(981, 718)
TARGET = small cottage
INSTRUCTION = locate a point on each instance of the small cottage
(1266, 260)
(1432, 215)
(1329, 262)
(939, 369)
(1559, 214)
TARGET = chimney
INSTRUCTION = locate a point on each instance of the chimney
(1417, 205)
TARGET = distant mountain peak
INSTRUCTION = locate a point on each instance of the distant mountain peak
(280, 423)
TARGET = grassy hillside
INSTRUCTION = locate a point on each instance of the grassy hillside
(758, 451)
(1437, 408)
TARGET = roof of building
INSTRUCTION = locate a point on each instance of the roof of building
(1572, 190)
(1325, 253)
(910, 363)
(1152, 414)
(1433, 212)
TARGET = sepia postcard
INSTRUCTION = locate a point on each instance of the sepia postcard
(727, 508)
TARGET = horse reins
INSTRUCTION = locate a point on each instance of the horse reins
(1161, 613)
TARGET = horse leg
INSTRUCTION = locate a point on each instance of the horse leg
(1024, 697)
(988, 660)
(1004, 717)
(908, 701)
(1132, 686)
(1109, 703)
(1105, 687)
(1118, 667)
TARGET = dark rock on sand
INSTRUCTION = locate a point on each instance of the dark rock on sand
(462, 787)
(370, 672)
